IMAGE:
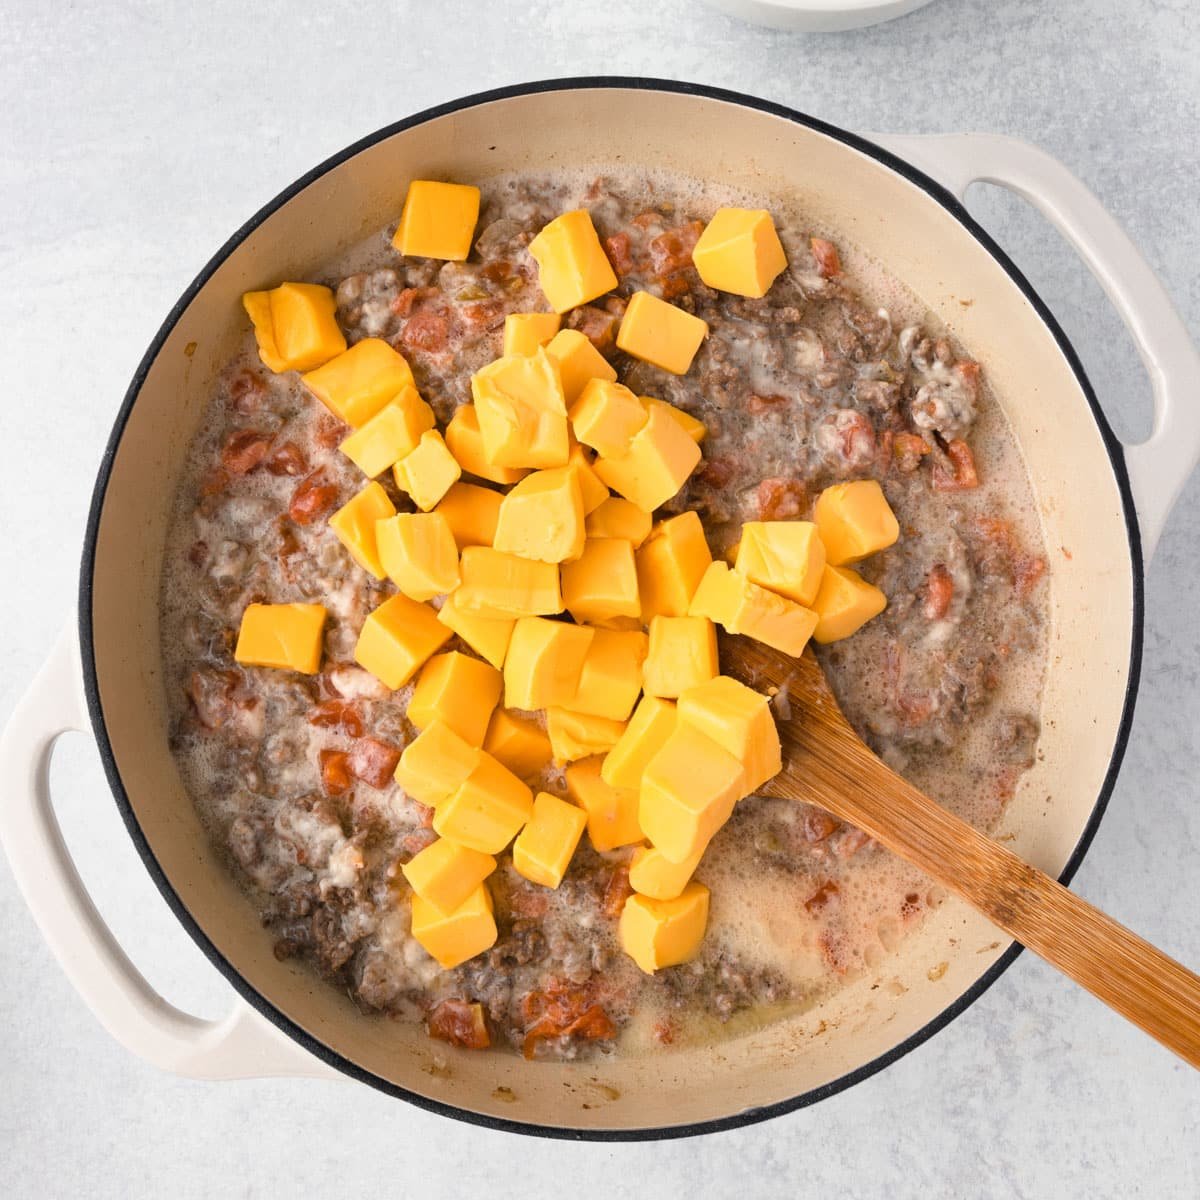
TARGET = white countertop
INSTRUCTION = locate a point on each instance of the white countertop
(135, 137)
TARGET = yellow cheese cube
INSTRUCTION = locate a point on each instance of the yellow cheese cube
(688, 790)
(446, 873)
(660, 334)
(785, 556)
(606, 416)
(354, 523)
(472, 512)
(653, 721)
(619, 518)
(521, 745)
(525, 332)
(572, 265)
(670, 566)
(740, 252)
(854, 521)
(683, 653)
(592, 490)
(295, 326)
(612, 813)
(521, 411)
(495, 584)
(454, 937)
(543, 849)
(661, 457)
(390, 434)
(435, 764)
(459, 692)
(611, 678)
(653, 875)
(438, 220)
(739, 720)
(542, 517)
(466, 444)
(602, 582)
(418, 554)
(396, 638)
(428, 472)
(487, 636)
(544, 662)
(579, 362)
(844, 604)
(281, 635)
(692, 426)
(356, 384)
(488, 810)
(664, 933)
(576, 735)
(743, 607)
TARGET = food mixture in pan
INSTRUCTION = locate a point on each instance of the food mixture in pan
(444, 580)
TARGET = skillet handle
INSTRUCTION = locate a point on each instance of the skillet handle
(1159, 466)
(240, 1045)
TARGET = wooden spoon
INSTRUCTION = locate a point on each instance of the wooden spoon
(826, 763)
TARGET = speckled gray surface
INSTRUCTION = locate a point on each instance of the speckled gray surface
(135, 137)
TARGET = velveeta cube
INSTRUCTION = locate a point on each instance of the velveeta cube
(418, 554)
(521, 411)
(454, 937)
(591, 488)
(739, 720)
(743, 607)
(542, 517)
(435, 764)
(612, 813)
(544, 662)
(487, 636)
(653, 875)
(487, 811)
(576, 735)
(602, 582)
(670, 565)
(606, 416)
(739, 252)
(295, 326)
(579, 362)
(660, 334)
(525, 332)
(664, 933)
(465, 442)
(438, 220)
(356, 384)
(472, 512)
(845, 602)
(783, 556)
(572, 265)
(854, 521)
(520, 744)
(390, 434)
(458, 692)
(397, 638)
(694, 428)
(495, 584)
(287, 636)
(661, 457)
(428, 472)
(543, 849)
(619, 518)
(611, 678)
(355, 522)
(683, 653)
(653, 721)
(446, 873)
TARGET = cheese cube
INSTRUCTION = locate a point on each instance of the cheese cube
(784, 556)
(466, 444)
(854, 521)
(459, 692)
(619, 518)
(390, 434)
(602, 582)
(542, 517)
(579, 362)
(521, 745)
(487, 811)
(472, 512)
(670, 566)
(653, 721)
(495, 584)
(612, 813)
(591, 488)
(692, 426)
(438, 220)
(683, 653)
(295, 326)
(572, 265)
(354, 523)
(650, 874)
(739, 720)
(521, 411)
(661, 457)
(396, 638)
(525, 332)
(487, 636)
(356, 384)
(740, 252)
(544, 662)
(576, 735)
(428, 472)
(611, 678)
(844, 604)
(688, 790)
(435, 764)
(606, 416)
(743, 607)
(281, 635)
(446, 873)
(660, 334)
(664, 933)
(543, 849)
(418, 554)
(454, 937)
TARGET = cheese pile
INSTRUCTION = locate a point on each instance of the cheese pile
(592, 628)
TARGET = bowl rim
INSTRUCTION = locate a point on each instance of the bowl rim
(264, 1006)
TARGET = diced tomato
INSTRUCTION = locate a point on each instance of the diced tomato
(968, 371)
(885, 454)
(598, 325)
(617, 891)
(563, 1011)
(286, 459)
(246, 391)
(335, 772)
(211, 693)
(525, 902)
(829, 263)
(342, 715)
(716, 472)
(672, 251)
(215, 480)
(914, 710)
(618, 251)
(962, 461)
(244, 450)
(939, 591)
(312, 499)
(851, 842)
(858, 436)
(373, 761)
(674, 285)
(428, 331)
(908, 449)
(413, 843)
(1027, 570)
(408, 298)
(818, 825)
(664, 1032)
(459, 1023)
(481, 314)
(821, 898)
(760, 404)
(329, 432)
(781, 499)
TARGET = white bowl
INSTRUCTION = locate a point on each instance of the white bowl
(817, 16)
